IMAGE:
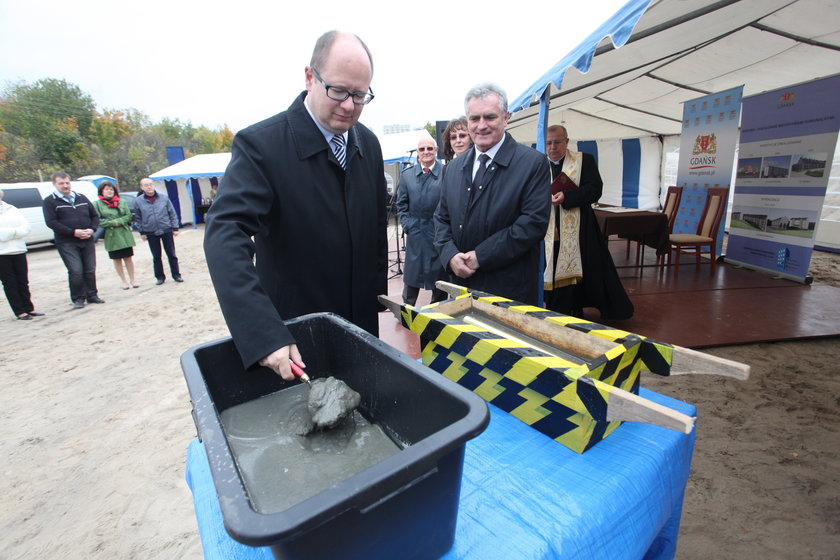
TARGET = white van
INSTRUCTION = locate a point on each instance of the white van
(29, 199)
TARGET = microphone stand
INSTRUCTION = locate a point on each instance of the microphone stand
(399, 235)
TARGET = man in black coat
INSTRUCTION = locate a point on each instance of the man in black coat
(494, 205)
(308, 186)
(579, 269)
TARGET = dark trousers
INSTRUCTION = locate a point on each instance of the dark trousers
(565, 300)
(14, 273)
(80, 259)
(410, 294)
(168, 241)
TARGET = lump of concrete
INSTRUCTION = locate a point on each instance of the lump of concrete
(331, 400)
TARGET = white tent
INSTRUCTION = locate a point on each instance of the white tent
(665, 52)
(192, 178)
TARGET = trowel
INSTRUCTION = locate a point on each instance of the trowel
(299, 373)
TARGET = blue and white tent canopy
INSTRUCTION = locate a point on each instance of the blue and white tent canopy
(629, 78)
(196, 167)
(189, 183)
(632, 74)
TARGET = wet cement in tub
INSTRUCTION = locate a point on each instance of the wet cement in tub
(283, 462)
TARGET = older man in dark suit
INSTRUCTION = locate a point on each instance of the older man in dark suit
(494, 205)
(308, 186)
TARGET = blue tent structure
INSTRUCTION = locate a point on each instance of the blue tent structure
(621, 90)
(190, 183)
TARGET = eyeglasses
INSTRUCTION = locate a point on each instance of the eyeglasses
(458, 136)
(426, 149)
(340, 94)
(558, 142)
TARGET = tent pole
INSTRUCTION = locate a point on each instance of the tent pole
(542, 123)
(542, 126)
(192, 200)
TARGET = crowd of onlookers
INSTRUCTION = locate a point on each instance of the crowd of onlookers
(305, 194)
(77, 224)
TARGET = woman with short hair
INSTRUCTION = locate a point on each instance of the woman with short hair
(115, 217)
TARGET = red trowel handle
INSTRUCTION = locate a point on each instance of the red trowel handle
(299, 373)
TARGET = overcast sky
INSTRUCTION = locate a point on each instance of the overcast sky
(236, 62)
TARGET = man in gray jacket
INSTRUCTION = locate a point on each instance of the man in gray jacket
(158, 225)
(417, 198)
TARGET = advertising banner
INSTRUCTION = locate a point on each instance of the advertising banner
(787, 144)
(707, 153)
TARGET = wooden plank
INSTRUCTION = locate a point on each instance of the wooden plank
(570, 340)
(627, 407)
(450, 308)
(453, 307)
(393, 305)
(687, 361)
(448, 287)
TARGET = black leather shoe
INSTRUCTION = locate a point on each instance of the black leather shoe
(35, 314)
(160, 281)
(24, 318)
(78, 304)
(95, 299)
(179, 279)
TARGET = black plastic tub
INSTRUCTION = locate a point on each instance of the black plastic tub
(402, 507)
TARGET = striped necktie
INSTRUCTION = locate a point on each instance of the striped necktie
(337, 143)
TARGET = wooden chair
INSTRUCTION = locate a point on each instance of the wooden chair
(672, 204)
(670, 209)
(707, 231)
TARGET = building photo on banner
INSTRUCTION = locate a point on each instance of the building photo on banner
(787, 143)
(703, 425)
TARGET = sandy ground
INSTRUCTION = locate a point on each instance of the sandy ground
(97, 420)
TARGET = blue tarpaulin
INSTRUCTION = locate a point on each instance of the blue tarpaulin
(525, 496)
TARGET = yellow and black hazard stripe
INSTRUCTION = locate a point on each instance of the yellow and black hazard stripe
(563, 399)
(656, 356)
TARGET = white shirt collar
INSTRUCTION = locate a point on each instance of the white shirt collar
(328, 136)
(491, 152)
